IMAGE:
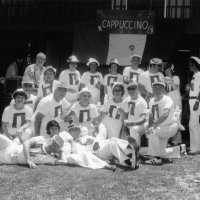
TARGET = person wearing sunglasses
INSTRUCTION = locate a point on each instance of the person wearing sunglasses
(150, 76)
(135, 112)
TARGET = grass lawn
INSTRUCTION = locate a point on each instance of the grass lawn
(178, 180)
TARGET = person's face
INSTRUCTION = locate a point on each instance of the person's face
(117, 91)
(19, 100)
(72, 66)
(155, 67)
(135, 61)
(132, 90)
(60, 93)
(93, 67)
(85, 98)
(168, 72)
(27, 87)
(158, 90)
(113, 68)
(54, 130)
(191, 66)
(75, 132)
(40, 60)
(49, 76)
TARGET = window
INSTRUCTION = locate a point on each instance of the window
(177, 9)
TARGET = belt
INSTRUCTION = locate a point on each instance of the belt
(193, 97)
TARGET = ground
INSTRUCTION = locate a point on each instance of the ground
(177, 180)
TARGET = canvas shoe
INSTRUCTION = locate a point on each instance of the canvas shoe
(183, 149)
(110, 167)
(154, 161)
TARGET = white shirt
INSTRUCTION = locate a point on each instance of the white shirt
(132, 73)
(134, 108)
(146, 79)
(158, 108)
(16, 118)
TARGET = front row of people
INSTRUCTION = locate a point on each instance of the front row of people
(97, 135)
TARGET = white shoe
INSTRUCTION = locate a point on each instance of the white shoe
(183, 149)
(153, 161)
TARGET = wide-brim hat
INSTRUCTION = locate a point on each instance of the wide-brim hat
(158, 83)
(114, 61)
(196, 59)
(58, 140)
(92, 60)
(72, 59)
(156, 61)
(136, 56)
(85, 89)
(50, 68)
(20, 92)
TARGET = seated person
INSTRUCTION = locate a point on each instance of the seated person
(16, 118)
(162, 126)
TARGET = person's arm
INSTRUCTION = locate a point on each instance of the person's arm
(37, 124)
(5, 129)
(68, 117)
(138, 122)
(162, 118)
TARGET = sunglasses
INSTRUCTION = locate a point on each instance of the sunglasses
(86, 96)
(28, 85)
(132, 88)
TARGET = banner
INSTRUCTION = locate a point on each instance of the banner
(126, 22)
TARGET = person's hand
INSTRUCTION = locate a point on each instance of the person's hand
(89, 141)
(96, 146)
(31, 164)
(196, 106)
(187, 87)
(127, 123)
(150, 130)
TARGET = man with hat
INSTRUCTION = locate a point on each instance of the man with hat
(93, 80)
(51, 107)
(34, 151)
(194, 98)
(113, 76)
(71, 77)
(16, 118)
(34, 72)
(150, 76)
(135, 108)
(162, 126)
(133, 71)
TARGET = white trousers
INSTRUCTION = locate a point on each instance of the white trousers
(115, 147)
(194, 127)
(158, 142)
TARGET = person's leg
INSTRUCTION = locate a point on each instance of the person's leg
(5, 142)
(194, 128)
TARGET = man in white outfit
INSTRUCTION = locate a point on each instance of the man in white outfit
(194, 126)
(163, 125)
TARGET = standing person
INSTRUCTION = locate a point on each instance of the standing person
(133, 71)
(172, 85)
(93, 80)
(150, 76)
(16, 118)
(135, 108)
(34, 72)
(112, 76)
(194, 98)
(48, 84)
(111, 112)
(50, 107)
(83, 111)
(71, 77)
(162, 126)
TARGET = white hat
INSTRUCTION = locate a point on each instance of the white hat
(132, 83)
(51, 68)
(85, 89)
(72, 59)
(27, 80)
(60, 85)
(137, 56)
(195, 59)
(114, 61)
(159, 83)
(156, 61)
(91, 60)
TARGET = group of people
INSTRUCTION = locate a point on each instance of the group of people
(64, 122)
